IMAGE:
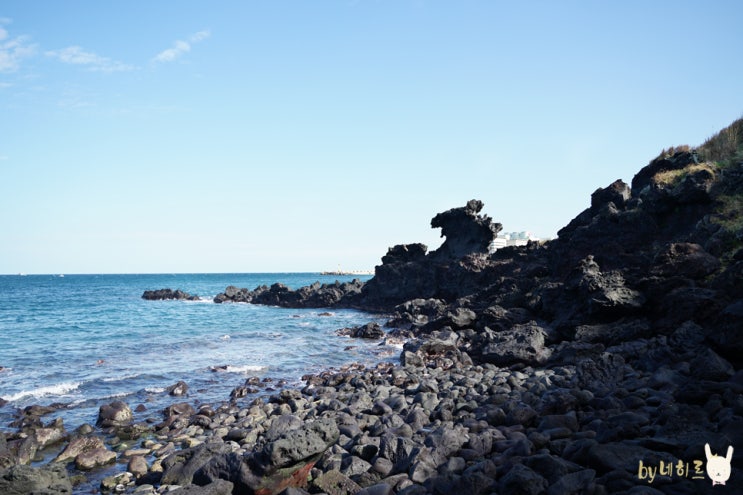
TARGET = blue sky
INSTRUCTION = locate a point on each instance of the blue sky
(236, 136)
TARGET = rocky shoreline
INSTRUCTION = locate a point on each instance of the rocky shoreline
(608, 360)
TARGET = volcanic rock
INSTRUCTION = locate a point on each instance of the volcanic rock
(166, 294)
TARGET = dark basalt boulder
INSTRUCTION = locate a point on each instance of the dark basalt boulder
(166, 294)
(369, 331)
(179, 468)
(618, 193)
(522, 344)
(22, 480)
(117, 413)
(687, 260)
(285, 460)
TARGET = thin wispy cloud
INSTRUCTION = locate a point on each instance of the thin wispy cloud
(76, 55)
(180, 47)
(13, 49)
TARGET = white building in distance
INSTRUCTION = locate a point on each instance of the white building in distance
(512, 239)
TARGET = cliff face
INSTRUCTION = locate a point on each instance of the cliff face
(645, 259)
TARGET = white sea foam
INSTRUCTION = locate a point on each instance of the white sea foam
(154, 390)
(201, 300)
(119, 378)
(58, 389)
(224, 337)
(245, 369)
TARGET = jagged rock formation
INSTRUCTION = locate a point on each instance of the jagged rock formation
(466, 231)
(451, 271)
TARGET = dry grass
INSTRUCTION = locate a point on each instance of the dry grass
(667, 153)
(671, 178)
(725, 145)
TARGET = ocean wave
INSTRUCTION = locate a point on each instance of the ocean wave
(238, 369)
(201, 300)
(119, 378)
(58, 389)
(154, 390)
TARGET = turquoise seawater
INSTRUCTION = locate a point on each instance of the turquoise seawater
(85, 340)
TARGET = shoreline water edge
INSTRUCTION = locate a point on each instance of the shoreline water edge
(608, 360)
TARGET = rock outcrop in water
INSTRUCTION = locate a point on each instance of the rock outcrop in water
(166, 294)
(314, 296)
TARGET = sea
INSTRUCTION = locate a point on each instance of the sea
(80, 341)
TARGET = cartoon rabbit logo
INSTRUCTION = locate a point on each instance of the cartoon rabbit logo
(718, 467)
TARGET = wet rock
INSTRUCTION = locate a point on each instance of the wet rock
(36, 410)
(92, 459)
(137, 466)
(50, 434)
(368, 331)
(79, 446)
(179, 409)
(116, 413)
(177, 389)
